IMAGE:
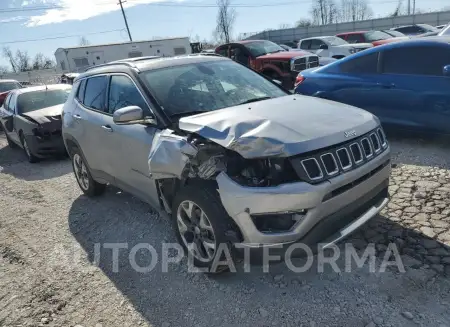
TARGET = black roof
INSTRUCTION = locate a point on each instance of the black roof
(149, 63)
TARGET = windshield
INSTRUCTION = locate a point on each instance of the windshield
(376, 36)
(207, 86)
(445, 31)
(8, 86)
(334, 40)
(36, 100)
(260, 48)
(429, 28)
(395, 33)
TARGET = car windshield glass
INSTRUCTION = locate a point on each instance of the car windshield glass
(429, 28)
(260, 48)
(8, 86)
(36, 100)
(334, 40)
(207, 86)
(376, 36)
(394, 33)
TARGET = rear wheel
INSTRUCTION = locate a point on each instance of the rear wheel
(31, 157)
(83, 176)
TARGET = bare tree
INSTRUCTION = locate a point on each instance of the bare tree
(355, 10)
(83, 41)
(324, 12)
(38, 61)
(23, 61)
(303, 22)
(284, 26)
(7, 54)
(225, 20)
(398, 9)
(4, 69)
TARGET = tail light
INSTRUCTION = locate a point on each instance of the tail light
(299, 80)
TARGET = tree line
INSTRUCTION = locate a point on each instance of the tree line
(21, 61)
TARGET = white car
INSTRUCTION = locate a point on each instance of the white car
(445, 31)
(331, 46)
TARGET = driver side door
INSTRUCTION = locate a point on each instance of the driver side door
(132, 143)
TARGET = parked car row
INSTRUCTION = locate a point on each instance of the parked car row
(226, 153)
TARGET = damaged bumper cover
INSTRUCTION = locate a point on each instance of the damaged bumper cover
(326, 212)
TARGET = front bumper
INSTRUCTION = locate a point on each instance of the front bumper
(327, 219)
(46, 147)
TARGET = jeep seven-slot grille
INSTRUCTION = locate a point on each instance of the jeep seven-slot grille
(327, 163)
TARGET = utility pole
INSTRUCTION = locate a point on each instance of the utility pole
(414, 7)
(125, 19)
(409, 7)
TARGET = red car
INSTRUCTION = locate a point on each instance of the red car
(374, 37)
(6, 85)
(270, 59)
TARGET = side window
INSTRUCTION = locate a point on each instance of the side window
(81, 90)
(367, 64)
(412, 60)
(315, 44)
(223, 51)
(123, 93)
(94, 96)
(306, 45)
(354, 38)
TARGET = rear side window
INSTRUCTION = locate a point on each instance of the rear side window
(315, 44)
(367, 64)
(305, 45)
(354, 38)
(94, 96)
(416, 60)
(80, 92)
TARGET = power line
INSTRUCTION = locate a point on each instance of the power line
(60, 37)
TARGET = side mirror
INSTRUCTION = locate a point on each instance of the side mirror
(323, 47)
(131, 115)
(446, 71)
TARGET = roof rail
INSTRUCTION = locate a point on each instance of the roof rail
(112, 63)
(205, 54)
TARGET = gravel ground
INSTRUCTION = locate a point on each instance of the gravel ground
(47, 276)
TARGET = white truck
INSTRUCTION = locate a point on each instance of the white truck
(77, 59)
(331, 46)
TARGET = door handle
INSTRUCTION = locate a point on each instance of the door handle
(107, 128)
(76, 116)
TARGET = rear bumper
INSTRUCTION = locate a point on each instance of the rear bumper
(47, 147)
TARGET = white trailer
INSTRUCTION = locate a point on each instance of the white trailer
(77, 59)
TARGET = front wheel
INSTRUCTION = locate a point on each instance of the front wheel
(201, 223)
(83, 176)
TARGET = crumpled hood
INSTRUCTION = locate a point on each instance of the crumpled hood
(45, 115)
(280, 127)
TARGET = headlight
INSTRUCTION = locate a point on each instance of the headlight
(352, 50)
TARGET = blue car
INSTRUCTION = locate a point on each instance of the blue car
(406, 84)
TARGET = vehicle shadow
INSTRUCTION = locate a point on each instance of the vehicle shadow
(14, 162)
(179, 297)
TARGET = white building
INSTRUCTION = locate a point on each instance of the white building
(77, 59)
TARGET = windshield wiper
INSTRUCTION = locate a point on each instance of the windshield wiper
(188, 113)
(255, 100)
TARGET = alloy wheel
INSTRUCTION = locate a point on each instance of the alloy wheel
(196, 231)
(81, 172)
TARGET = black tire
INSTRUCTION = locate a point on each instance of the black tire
(205, 196)
(31, 157)
(87, 184)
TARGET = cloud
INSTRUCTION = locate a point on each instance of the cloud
(13, 19)
(77, 9)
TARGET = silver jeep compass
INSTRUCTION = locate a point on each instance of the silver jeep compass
(229, 155)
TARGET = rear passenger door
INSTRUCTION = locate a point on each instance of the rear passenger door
(416, 94)
(95, 126)
(355, 38)
(132, 143)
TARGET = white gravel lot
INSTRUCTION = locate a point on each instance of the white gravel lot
(47, 276)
